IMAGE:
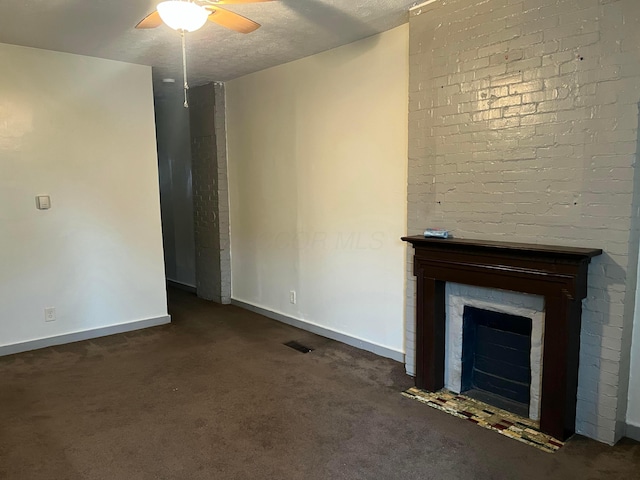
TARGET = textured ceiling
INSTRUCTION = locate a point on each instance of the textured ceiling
(291, 29)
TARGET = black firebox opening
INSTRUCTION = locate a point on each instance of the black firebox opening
(496, 359)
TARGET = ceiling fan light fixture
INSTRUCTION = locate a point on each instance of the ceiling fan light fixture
(181, 15)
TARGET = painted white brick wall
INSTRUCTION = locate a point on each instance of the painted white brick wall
(210, 192)
(523, 126)
(224, 232)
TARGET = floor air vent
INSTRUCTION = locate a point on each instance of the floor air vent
(298, 346)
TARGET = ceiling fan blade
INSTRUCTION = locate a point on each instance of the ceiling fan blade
(152, 20)
(231, 20)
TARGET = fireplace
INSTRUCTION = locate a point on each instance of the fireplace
(496, 359)
(461, 301)
(557, 274)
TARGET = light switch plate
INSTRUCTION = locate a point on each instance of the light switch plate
(43, 202)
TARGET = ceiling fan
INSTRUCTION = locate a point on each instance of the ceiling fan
(190, 15)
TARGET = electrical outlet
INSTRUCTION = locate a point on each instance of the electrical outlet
(50, 314)
(292, 296)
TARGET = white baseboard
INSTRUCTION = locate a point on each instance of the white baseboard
(84, 335)
(632, 431)
(324, 332)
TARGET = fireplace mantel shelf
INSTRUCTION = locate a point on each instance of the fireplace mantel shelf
(455, 244)
(557, 273)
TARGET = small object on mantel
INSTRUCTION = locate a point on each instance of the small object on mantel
(436, 232)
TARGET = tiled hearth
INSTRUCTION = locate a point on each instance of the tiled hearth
(487, 416)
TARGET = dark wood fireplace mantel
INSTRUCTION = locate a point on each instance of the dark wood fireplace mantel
(559, 274)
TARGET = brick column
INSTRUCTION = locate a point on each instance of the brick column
(210, 192)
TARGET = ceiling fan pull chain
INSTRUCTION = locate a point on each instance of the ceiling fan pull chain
(184, 69)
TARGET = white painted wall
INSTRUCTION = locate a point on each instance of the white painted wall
(81, 130)
(317, 177)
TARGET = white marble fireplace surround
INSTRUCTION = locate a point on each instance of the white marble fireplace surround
(513, 303)
(523, 127)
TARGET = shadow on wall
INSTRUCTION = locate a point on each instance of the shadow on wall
(630, 297)
(612, 385)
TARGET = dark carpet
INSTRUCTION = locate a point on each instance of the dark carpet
(216, 395)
